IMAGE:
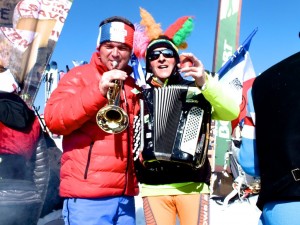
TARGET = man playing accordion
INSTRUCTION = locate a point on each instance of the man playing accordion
(178, 185)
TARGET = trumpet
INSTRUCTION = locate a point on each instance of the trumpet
(112, 118)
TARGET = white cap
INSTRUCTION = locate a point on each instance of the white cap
(8, 82)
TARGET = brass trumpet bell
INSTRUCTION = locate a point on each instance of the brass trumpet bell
(112, 119)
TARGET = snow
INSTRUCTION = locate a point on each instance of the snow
(236, 213)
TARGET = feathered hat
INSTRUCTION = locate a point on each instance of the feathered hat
(149, 35)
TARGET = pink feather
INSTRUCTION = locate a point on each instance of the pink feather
(141, 41)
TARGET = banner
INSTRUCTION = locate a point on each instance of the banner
(226, 42)
(7, 8)
(28, 34)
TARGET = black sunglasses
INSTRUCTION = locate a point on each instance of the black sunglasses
(167, 53)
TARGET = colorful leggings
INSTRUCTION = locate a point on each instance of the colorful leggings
(191, 209)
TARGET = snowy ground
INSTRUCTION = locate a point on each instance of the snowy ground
(236, 213)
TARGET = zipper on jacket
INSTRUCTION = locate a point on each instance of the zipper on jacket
(128, 141)
(88, 161)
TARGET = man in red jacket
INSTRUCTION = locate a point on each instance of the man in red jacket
(97, 176)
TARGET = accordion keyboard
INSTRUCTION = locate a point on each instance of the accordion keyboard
(191, 133)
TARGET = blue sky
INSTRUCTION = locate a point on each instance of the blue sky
(278, 24)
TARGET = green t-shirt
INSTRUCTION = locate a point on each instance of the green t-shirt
(174, 189)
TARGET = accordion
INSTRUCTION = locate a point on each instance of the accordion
(176, 125)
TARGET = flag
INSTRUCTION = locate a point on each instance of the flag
(138, 73)
(238, 73)
(247, 156)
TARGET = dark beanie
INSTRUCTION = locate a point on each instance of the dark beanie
(162, 41)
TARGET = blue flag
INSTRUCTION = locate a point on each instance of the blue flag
(238, 56)
(138, 73)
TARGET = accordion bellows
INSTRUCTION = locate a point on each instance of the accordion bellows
(178, 126)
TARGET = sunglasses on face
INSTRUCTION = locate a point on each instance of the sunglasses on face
(167, 53)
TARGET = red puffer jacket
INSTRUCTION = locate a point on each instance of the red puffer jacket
(94, 163)
(18, 142)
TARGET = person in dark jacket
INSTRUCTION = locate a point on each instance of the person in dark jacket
(17, 120)
(97, 177)
(23, 181)
(270, 141)
(171, 188)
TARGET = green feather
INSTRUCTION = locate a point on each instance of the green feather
(182, 34)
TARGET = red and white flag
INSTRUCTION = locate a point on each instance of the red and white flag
(238, 73)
